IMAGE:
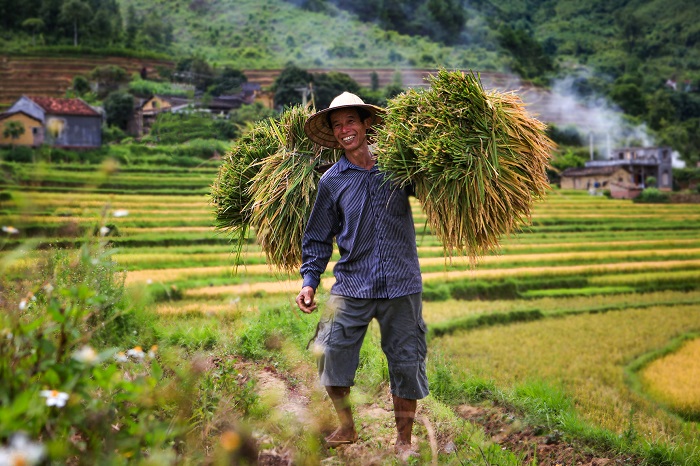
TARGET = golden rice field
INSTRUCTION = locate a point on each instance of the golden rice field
(673, 379)
(612, 279)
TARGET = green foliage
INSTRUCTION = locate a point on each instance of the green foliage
(80, 85)
(529, 59)
(286, 84)
(67, 377)
(146, 88)
(119, 107)
(652, 196)
(22, 154)
(112, 134)
(108, 79)
(195, 71)
(13, 129)
(177, 128)
(329, 85)
(227, 81)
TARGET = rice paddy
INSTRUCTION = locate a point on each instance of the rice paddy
(610, 279)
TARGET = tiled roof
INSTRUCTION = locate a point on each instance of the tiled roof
(58, 106)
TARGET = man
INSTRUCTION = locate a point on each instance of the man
(377, 275)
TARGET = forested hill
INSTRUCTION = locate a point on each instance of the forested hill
(641, 55)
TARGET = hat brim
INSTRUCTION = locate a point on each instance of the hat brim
(317, 129)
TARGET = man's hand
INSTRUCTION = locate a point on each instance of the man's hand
(305, 300)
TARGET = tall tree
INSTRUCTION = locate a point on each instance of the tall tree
(287, 85)
(35, 25)
(75, 12)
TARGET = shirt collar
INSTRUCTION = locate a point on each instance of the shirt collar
(345, 164)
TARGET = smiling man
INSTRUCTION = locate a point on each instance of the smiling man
(377, 275)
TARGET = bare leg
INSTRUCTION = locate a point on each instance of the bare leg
(404, 412)
(341, 401)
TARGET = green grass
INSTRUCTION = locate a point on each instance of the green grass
(509, 321)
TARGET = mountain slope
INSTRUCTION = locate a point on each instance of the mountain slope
(271, 33)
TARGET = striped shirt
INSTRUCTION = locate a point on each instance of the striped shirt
(373, 227)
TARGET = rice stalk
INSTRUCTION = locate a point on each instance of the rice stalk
(476, 159)
(229, 192)
(270, 186)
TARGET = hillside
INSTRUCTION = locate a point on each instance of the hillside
(271, 33)
(639, 58)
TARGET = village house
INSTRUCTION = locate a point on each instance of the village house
(625, 173)
(66, 123)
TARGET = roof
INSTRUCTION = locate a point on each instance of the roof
(9, 114)
(591, 171)
(60, 106)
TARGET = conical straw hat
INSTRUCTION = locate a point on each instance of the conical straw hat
(317, 128)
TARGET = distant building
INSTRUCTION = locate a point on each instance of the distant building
(67, 123)
(625, 173)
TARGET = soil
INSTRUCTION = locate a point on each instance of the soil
(533, 444)
(376, 422)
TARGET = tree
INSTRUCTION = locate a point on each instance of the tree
(629, 97)
(81, 85)
(108, 78)
(133, 23)
(35, 25)
(287, 85)
(196, 71)
(119, 107)
(449, 17)
(328, 86)
(13, 130)
(74, 12)
(529, 59)
(227, 81)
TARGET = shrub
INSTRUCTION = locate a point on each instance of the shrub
(22, 154)
(652, 196)
(112, 134)
(65, 380)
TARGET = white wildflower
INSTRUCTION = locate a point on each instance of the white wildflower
(86, 355)
(10, 230)
(136, 352)
(152, 352)
(21, 451)
(54, 398)
(23, 305)
(121, 357)
(104, 231)
(120, 213)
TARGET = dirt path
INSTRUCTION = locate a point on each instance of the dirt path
(375, 423)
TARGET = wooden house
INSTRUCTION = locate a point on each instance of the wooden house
(67, 123)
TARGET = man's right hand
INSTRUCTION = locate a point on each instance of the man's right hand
(305, 300)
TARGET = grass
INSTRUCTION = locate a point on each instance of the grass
(586, 354)
(561, 356)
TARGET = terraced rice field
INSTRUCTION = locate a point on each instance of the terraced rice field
(602, 283)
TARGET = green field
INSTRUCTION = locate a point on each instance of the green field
(571, 303)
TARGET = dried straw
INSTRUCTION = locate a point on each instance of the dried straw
(476, 159)
(268, 182)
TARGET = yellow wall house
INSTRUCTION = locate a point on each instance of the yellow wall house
(33, 130)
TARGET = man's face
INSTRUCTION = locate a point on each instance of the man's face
(349, 130)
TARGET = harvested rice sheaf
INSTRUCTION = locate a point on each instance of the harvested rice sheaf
(476, 159)
(268, 182)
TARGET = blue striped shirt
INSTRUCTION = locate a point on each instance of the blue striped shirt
(373, 227)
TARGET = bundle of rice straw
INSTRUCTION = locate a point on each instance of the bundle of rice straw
(268, 182)
(476, 159)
